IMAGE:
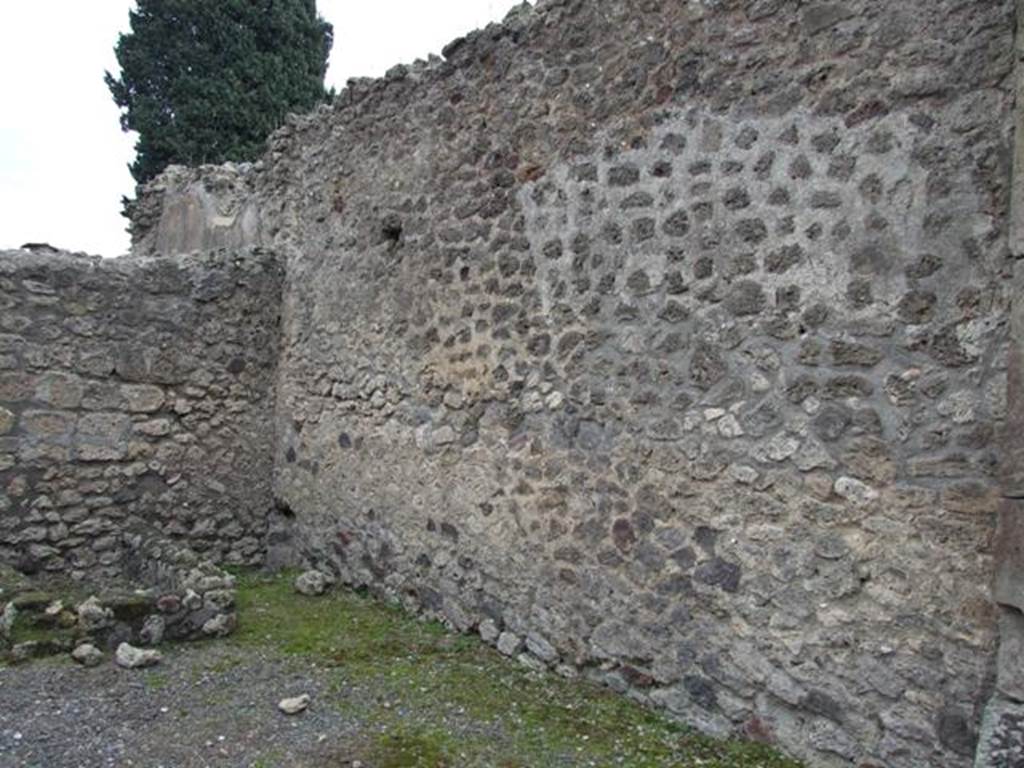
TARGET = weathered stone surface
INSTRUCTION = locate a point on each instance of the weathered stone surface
(678, 350)
(58, 390)
(93, 615)
(102, 436)
(7, 421)
(195, 211)
(509, 643)
(7, 618)
(1012, 466)
(47, 426)
(1001, 739)
(294, 705)
(87, 655)
(819, 17)
(756, 304)
(221, 625)
(855, 491)
(219, 599)
(146, 394)
(168, 604)
(312, 583)
(142, 398)
(746, 298)
(1010, 661)
(541, 648)
(153, 630)
(955, 731)
(130, 657)
(1009, 555)
(489, 631)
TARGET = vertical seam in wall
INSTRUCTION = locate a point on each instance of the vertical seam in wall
(284, 257)
(1016, 229)
(1006, 563)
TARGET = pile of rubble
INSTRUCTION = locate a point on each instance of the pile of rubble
(180, 598)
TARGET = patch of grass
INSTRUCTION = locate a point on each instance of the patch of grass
(54, 586)
(225, 664)
(412, 748)
(544, 719)
(51, 640)
(154, 681)
(53, 635)
(340, 629)
(23, 632)
(435, 700)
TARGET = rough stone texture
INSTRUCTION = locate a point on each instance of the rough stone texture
(196, 209)
(1001, 741)
(87, 655)
(130, 657)
(672, 338)
(136, 397)
(669, 341)
(312, 583)
(1002, 732)
(165, 591)
(1013, 446)
(294, 706)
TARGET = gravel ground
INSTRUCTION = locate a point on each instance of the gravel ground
(387, 691)
(206, 705)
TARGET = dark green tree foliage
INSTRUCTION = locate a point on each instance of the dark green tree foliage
(206, 81)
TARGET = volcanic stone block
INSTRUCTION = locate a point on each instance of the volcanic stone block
(102, 436)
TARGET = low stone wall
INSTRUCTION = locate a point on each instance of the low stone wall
(136, 397)
(165, 592)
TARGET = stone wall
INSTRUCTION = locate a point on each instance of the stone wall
(136, 397)
(667, 343)
(196, 209)
(1002, 733)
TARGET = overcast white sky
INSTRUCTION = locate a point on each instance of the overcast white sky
(63, 158)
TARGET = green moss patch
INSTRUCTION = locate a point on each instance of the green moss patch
(430, 699)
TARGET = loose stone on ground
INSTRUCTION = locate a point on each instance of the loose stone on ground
(295, 705)
(130, 657)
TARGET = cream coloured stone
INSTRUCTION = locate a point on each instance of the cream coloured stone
(7, 421)
(294, 705)
(130, 657)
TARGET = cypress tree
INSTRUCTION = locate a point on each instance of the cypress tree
(206, 81)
